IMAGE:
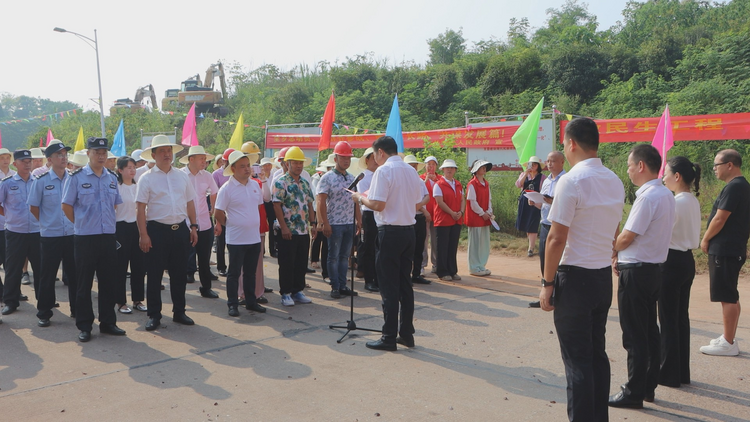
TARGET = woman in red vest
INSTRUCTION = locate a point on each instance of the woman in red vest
(479, 217)
(448, 215)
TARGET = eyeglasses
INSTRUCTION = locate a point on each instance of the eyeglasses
(720, 164)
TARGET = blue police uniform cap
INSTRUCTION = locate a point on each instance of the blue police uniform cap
(53, 148)
(21, 154)
(97, 143)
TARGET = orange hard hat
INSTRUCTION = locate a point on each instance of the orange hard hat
(343, 149)
(227, 151)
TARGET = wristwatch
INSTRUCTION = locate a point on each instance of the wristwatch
(546, 283)
(360, 200)
(194, 225)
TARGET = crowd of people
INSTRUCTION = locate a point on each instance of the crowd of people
(118, 218)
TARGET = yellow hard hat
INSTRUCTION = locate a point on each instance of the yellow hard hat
(296, 154)
(250, 147)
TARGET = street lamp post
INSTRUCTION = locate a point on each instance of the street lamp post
(98, 70)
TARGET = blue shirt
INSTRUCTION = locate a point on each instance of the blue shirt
(46, 193)
(93, 199)
(13, 194)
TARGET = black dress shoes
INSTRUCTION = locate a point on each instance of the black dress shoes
(214, 277)
(7, 310)
(23, 298)
(267, 290)
(223, 273)
(255, 308)
(209, 293)
(84, 336)
(381, 345)
(233, 311)
(111, 329)
(310, 270)
(535, 304)
(623, 401)
(404, 341)
(43, 322)
(191, 278)
(262, 300)
(183, 319)
(371, 288)
(420, 280)
(153, 324)
(345, 291)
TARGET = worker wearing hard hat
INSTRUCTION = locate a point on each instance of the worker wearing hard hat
(338, 218)
(293, 204)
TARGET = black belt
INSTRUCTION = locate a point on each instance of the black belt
(168, 226)
(419, 216)
(549, 226)
(568, 268)
(625, 266)
(389, 228)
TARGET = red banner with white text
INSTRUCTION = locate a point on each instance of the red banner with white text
(709, 127)
(484, 137)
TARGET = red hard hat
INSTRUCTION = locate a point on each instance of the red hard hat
(343, 149)
(282, 152)
(227, 151)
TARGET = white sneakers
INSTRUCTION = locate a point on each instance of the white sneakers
(721, 347)
(482, 273)
(286, 300)
(300, 297)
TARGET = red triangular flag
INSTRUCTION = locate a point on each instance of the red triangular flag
(41, 142)
(326, 128)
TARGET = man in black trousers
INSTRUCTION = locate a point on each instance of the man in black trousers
(90, 195)
(165, 199)
(585, 217)
(641, 247)
(395, 191)
(21, 231)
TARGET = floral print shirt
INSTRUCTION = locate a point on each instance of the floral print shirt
(339, 204)
(295, 198)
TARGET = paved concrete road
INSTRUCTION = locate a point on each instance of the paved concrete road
(481, 354)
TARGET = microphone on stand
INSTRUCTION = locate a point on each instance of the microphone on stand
(356, 180)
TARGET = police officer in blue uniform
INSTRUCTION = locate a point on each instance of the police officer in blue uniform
(21, 230)
(90, 195)
(45, 203)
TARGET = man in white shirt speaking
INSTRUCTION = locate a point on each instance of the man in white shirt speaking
(585, 216)
(394, 194)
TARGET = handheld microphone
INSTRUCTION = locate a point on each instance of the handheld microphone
(356, 180)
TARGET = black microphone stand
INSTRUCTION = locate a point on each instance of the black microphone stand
(350, 324)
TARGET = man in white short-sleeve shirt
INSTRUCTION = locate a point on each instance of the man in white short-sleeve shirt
(204, 186)
(394, 194)
(641, 247)
(237, 210)
(164, 201)
(585, 216)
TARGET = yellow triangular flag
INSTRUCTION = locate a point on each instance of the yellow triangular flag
(569, 116)
(238, 135)
(79, 142)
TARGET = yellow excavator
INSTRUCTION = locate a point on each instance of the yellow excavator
(202, 93)
(145, 99)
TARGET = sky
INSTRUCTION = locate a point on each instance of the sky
(164, 42)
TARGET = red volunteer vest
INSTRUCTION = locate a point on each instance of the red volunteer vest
(432, 205)
(483, 199)
(262, 211)
(452, 199)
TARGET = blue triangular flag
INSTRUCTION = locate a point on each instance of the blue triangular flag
(118, 145)
(337, 125)
(393, 129)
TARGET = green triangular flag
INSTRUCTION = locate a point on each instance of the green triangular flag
(524, 140)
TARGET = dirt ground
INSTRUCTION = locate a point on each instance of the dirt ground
(481, 354)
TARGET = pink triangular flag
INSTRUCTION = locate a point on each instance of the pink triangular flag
(189, 132)
(1, 139)
(49, 136)
(663, 138)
